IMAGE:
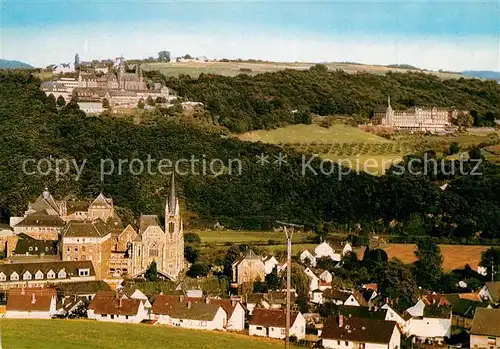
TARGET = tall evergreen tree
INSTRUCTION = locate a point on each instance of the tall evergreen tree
(428, 267)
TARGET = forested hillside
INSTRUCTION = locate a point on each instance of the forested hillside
(244, 102)
(32, 127)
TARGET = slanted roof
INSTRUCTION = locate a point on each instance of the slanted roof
(30, 299)
(146, 221)
(70, 267)
(362, 312)
(101, 201)
(494, 290)
(115, 305)
(73, 206)
(83, 287)
(28, 245)
(41, 219)
(271, 317)
(359, 329)
(486, 322)
(336, 295)
(163, 304)
(96, 228)
(4, 226)
(187, 308)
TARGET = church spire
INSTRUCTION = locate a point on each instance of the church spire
(172, 200)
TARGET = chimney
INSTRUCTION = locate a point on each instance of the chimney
(233, 302)
(341, 320)
(189, 305)
(207, 299)
(33, 299)
(120, 302)
(22, 290)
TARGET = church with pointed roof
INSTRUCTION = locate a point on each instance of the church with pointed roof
(153, 241)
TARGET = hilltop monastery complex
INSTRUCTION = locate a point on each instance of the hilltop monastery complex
(121, 90)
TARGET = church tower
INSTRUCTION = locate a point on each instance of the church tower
(174, 232)
(121, 74)
(389, 113)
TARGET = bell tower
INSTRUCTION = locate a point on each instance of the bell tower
(174, 232)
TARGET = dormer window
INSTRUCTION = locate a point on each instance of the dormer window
(39, 275)
(84, 272)
(61, 274)
(51, 274)
(14, 276)
(27, 275)
(3, 277)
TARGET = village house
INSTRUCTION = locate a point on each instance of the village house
(485, 331)
(491, 292)
(249, 268)
(116, 307)
(308, 258)
(15, 275)
(31, 303)
(178, 312)
(430, 319)
(272, 322)
(340, 332)
(270, 262)
(270, 300)
(313, 280)
(325, 250)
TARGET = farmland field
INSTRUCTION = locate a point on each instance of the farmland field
(236, 236)
(85, 334)
(194, 69)
(351, 146)
(454, 256)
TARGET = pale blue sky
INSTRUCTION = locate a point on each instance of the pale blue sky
(435, 35)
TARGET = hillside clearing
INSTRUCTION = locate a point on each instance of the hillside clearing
(194, 69)
(84, 334)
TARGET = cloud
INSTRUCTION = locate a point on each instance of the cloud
(43, 46)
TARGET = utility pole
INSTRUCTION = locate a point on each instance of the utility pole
(288, 276)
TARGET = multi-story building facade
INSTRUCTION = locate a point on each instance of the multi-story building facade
(250, 268)
(90, 240)
(417, 119)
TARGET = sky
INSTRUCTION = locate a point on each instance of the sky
(454, 35)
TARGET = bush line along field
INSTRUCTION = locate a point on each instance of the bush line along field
(83, 334)
(238, 237)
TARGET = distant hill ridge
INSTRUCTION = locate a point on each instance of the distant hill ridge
(12, 64)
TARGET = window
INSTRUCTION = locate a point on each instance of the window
(31, 248)
(39, 275)
(153, 250)
(282, 331)
(51, 275)
(103, 315)
(203, 324)
(171, 227)
(83, 248)
(83, 272)
(112, 316)
(84, 258)
(14, 276)
(76, 249)
(346, 343)
(259, 328)
(2, 277)
(338, 343)
(126, 317)
(61, 274)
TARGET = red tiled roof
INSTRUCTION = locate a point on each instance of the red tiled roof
(30, 299)
(271, 317)
(108, 302)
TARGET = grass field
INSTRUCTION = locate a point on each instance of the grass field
(354, 148)
(82, 334)
(238, 237)
(234, 68)
(454, 256)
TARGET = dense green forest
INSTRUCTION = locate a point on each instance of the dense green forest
(268, 100)
(31, 126)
